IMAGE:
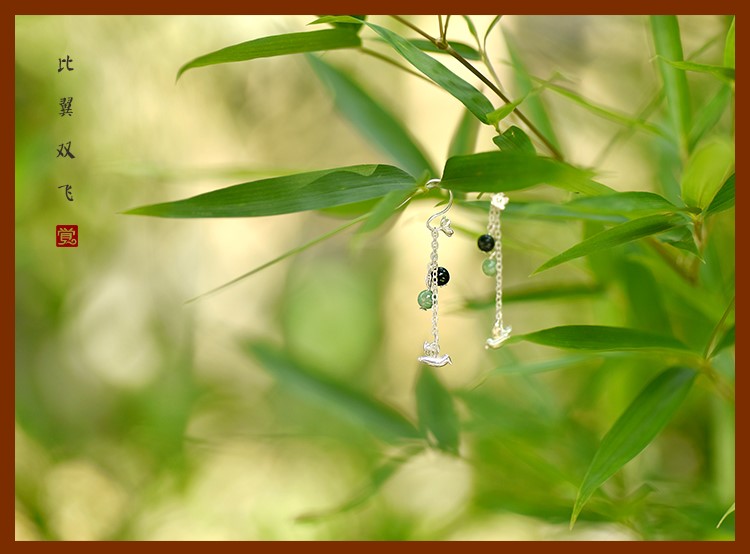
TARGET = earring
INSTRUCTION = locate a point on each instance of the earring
(493, 266)
(436, 277)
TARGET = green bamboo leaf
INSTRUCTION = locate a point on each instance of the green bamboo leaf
(709, 115)
(496, 116)
(666, 34)
(436, 412)
(352, 404)
(630, 204)
(724, 199)
(709, 166)
(464, 49)
(278, 45)
(729, 47)
(727, 340)
(465, 137)
(514, 139)
(475, 101)
(600, 338)
(731, 508)
(606, 113)
(354, 26)
(722, 73)
(371, 119)
(534, 107)
(682, 238)
(507, 171)
(472, 29)
(291, 193)
(615, 236)
(648, 414)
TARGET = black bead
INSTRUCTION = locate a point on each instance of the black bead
(486, 243)
(443, 276)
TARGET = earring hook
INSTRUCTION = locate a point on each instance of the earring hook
(445, 223)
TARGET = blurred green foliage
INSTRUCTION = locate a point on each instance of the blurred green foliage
(295, 409)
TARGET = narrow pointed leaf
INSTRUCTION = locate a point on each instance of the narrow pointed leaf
(630, 203)
(534, 107)
(464, 49)
(475, 101)
(648, 414)
(291, 193)
(729, 46)
(507, 171)
(725, 74)
(516, 139)
(465, 137)
(615, 236)
(731, 508)
(372, 119)
(600, 338)
(496, 116)
(436, 412)
(350, 403)
(709, 166)
(668, 44)
(724, 199)
(278, 45)
(354, 26)
(726, 341)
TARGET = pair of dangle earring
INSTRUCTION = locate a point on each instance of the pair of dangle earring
(437, 276)
(493, 267)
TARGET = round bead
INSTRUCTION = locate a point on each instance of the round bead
(443, 276)
(489, 267)
(424, 299)
(486, 243)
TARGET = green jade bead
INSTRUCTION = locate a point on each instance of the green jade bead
(425, 299)
(489, 267)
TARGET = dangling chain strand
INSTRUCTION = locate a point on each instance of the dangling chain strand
(500, 333)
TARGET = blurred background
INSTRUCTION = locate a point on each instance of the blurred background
(141, 416)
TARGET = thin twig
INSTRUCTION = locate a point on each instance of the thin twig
(440, 27)
(447, 47)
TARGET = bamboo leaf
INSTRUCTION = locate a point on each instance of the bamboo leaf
(465, 137)
(731, 508)
(600, 338)
(727, 340)
(436, 412)
(507, 171)
(514, 139)
(729, 47)
(385, 208)
(724, 199)
(496, 116)
(630, 204)
(666, 34)
(615, 236)
(648, 414)
(278, 45)
(352, 404)
(464, 49)
(708, 168)
(371, 119)
(476, 102)
(291, 193)
(725, 74)
(354, 26)
(534, 108)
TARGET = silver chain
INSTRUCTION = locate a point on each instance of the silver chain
(499, 332)
(433, 348)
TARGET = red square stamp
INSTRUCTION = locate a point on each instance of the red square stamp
(67, 236)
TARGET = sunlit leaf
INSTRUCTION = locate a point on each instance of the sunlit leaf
(729, 46)
(278, 45)
(600, 338)
(617, 235)
(709, 166)
(724, 199)
(514, 139)
(475, 101)
(291, 193)
(350, 403)
(435, 410)
(465, 136)
(725, 74)
(666, 33)
(371, 119)
(507, 171)
(635, 429)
